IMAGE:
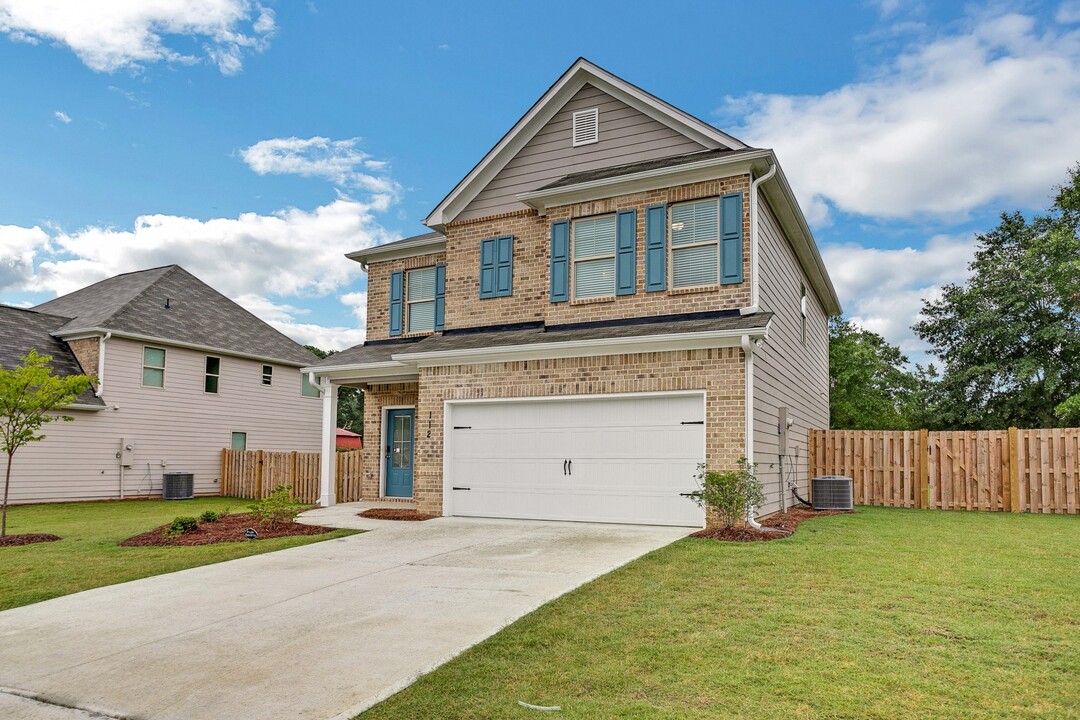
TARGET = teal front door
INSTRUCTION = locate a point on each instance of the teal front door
(399, 452)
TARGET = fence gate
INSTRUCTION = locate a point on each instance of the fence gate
(255, 473)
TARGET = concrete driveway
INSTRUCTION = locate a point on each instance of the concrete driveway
(321, 631)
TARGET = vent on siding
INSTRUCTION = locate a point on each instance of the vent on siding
(586, 126)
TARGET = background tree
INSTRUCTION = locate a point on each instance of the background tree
(869, 384)
(1009, 338)
(28, 393)
(350, 409)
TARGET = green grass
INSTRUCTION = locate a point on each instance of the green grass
(88, 555)
(885, 614)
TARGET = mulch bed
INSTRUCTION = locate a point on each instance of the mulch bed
(395, 514)
(786, 522)
(228, 528)
(27, 539)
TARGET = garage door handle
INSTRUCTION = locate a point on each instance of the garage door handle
(564, 466)
(462, 488)
(692, 422)
(570, 467)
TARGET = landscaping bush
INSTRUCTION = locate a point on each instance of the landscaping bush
(180, 526)
(209, 516)
(731, 494)
(278, 506)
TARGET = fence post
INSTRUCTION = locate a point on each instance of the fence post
(923, 501)
(258, 474)
(1014, 469)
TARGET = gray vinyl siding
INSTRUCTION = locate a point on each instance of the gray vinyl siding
(626, 135)
(178, 424)
(787, 373)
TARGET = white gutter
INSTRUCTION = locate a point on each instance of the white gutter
(755, 230)
(101, 364)
(748, 354)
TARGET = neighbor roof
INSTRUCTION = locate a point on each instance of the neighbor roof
(171, 304)
(25, 330)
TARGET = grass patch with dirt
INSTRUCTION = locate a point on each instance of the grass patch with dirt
(884, 614)
(88, 554)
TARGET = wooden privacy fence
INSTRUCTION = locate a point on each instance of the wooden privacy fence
(998, 470)
(254, 473)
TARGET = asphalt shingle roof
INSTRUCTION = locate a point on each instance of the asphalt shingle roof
(25, 330)
(172, 304)
(642, 166)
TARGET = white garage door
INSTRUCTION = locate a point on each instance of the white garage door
(618, 460)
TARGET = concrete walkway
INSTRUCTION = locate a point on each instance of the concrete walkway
(321, 631)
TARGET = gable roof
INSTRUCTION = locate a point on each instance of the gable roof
(170, 304)
(579, 74)
(24, 330)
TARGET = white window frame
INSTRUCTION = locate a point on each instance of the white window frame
(145, 367)
(671, 247)
(595, 113)
(207, 374)
(268, 375)
(802, 310)
(575, 260)
(407, 320)
(232, 439)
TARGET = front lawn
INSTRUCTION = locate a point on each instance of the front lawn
(884, 614)
(88, 556)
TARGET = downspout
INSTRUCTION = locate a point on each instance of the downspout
(748, 355)
(101, 364)
(755, 225)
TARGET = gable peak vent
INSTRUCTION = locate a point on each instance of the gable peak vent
(586, 126)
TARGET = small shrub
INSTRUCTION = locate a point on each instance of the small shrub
(209, 516)
(278, 506)
(731, 494)
(180, 526)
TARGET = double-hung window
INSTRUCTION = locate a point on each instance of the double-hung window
(420, 300)
(213, 374)
(268, 375)
(695, 244)
(153, 372)
(594, 257)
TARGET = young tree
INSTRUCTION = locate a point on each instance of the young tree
(29, 392)
(1009, 338)
(869, 385)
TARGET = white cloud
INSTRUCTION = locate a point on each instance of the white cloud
(1068, 12)
(981, 116)
(882, 290)
(119, 34)
(62, 116)
(334, 160)
(18, 247)
(284, 318)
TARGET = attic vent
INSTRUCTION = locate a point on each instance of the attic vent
(586, 126)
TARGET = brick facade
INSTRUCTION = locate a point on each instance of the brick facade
(87, 352)
(378, 307)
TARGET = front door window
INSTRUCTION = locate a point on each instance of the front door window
(402, 446)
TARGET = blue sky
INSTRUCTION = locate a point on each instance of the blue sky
(255, 144)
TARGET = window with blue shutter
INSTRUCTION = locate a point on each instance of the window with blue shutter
(594, 250)
(396, 285)
(560, 261)
(655, 248)
(731, 239)
(440, 296)
(420, 300)
(695, 251)
(497, 267)
(626, 254)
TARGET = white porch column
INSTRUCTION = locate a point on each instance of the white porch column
(328, 449)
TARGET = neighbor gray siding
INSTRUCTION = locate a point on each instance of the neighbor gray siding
(178, 428)
(626, 135)
(787, 373)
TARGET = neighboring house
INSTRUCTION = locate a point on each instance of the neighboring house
(616, 293)
(182, 372)
(348, 440)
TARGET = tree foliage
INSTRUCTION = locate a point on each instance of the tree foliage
(1009, 337)
(350, 409)
(869, 383)
(29, 393)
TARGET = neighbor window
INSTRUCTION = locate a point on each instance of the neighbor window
(420, 300)
(695, 244)
(268, 374)
(594, 257)
(802, 310)
(213, 373)
(153, 372)
(239, 441)
(306, 388)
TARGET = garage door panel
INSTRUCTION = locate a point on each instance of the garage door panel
(631, 458)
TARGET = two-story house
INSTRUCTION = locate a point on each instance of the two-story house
(181, 372)
(616, 293)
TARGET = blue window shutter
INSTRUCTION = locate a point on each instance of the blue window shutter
(731, 239)
(655, 248)
(560, 261)
(626, 252)
(396, 281)
(504, 266)
(487, 268)
(440, 296)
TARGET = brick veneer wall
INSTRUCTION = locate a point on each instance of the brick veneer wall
(376, 397)
(718, 371)
(86, 351)
(378, 307)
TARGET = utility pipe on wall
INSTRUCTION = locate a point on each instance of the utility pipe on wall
(748, 355)
(755, 225)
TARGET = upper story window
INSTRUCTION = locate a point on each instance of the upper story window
(802, 311)
(307, 389)
(586, 127)
(213, 374)
(695, 244)
(420, 300)
(594, 257)
(153, 373)
(268, 375)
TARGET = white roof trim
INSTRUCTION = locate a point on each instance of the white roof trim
(83, 332)
(399, 250)
(579, 74)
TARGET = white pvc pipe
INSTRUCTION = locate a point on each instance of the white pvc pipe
(101, 364)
